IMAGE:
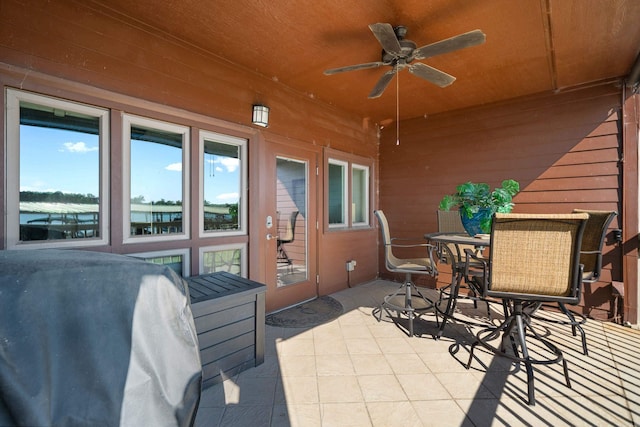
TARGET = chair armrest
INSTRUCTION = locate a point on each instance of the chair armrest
(430, 248)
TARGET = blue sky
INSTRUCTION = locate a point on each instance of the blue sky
(66, 161)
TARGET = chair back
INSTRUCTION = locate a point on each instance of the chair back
(390, 260)
(290, 230)
(422, 265)
(536, 257)
(593, 242)
(449, 221)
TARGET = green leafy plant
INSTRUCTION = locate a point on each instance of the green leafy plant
(470, 198)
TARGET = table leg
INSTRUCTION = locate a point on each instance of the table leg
(451, 304)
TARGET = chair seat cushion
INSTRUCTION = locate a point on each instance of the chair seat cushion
(418, 264)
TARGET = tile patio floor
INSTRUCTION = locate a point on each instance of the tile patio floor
(356, 371)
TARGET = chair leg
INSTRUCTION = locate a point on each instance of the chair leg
(514, 328)
(525, 355)
(575, 325)
(407, 290)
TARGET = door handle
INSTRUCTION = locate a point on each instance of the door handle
(269, 236)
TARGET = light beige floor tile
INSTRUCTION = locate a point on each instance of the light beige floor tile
(381, 388)
(370, 364)
(394, 345)
(363, 346)
(255, 391)
(361, 330)
(207, 417)
(438, 413)
(463, 386)
(406, 363)
(269, 368)
(296, 347)
(393, 414)
(423, 387)
(334, 364)
(330, 345)
(280, 398)
(343, 388)
(259, 416)
(507, 413)
(327, 331)
(442, 362)
(353, 317)
(344, 415)
(605, 411)
(214, 396)
(304, 415)
(384, 328)
(300, 390)
(297, 366)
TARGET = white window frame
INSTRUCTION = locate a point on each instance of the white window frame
(12, 191)
(345, 192)
(243, 200)
(129, 120)
(215, 248)
(355, 166)
(186, 261)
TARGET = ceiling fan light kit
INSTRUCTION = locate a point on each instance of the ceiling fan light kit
(399, 53)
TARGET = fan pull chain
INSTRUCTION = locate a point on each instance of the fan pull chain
(397, 109)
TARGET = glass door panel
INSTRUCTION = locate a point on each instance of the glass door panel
(291, 217)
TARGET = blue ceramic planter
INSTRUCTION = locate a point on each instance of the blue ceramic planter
(472, 225)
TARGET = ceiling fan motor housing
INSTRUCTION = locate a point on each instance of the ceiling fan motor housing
(407, 48)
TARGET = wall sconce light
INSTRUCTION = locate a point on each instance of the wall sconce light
(260, 115)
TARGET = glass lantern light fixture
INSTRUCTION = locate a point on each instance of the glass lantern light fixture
(260, 115)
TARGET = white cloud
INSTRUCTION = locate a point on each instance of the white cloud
(228, 196)
(229, 163)
(77, 147)
(176, 167)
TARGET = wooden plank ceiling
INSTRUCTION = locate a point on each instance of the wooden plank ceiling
(532, 46)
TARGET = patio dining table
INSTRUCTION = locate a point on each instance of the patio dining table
(453, 244)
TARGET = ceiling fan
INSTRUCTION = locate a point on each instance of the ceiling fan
(399, 53)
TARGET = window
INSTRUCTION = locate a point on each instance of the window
(223, 189)
(229, 258)
(348, 190)
(359, 194)
(337, 185)
(177, 260)
(57, 172)
(155, 176)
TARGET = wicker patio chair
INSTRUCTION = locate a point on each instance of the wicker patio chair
(591, 259)
(533, 258)
(403, 300)
(289, 237)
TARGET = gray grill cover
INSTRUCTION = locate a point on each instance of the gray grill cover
(95, 339)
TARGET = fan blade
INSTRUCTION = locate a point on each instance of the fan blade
(382, 84)
(430, 74)
(472, 38)
(353, 68)
(387, 37)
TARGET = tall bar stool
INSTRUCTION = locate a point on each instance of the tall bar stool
(591, 259)
(407, 299)
(533, 258)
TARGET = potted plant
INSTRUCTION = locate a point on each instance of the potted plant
(477, 203)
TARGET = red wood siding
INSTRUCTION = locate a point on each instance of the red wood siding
(564, 149)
